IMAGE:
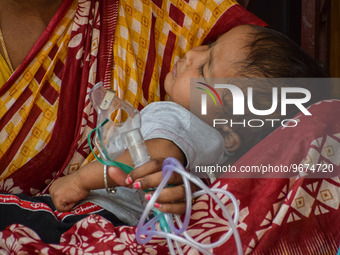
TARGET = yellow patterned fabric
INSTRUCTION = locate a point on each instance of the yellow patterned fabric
(167, 28)
(40, 133)
(5, 71)
(45, 111)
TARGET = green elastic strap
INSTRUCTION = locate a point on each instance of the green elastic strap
(127, 169)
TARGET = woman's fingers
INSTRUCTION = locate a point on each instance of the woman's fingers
(174, 208)
(152, 166)
(172, 199)
(149, 176)
(169, 194)
(153, 180)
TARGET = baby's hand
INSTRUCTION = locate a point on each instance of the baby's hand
(67, 191)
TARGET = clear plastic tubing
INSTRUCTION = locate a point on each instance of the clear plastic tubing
(171, 165)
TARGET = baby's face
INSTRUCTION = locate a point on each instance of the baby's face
(215, 61)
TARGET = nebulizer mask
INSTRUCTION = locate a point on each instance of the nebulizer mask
(118, 129)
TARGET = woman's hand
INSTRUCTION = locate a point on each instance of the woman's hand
(149, 175)
(67, 191)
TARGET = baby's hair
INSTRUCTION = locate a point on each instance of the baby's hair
(271, 55)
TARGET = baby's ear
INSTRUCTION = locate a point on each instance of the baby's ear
(232, 141)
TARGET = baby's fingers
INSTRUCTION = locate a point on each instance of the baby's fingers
(67, 207)
(63, 206)
(117, 175)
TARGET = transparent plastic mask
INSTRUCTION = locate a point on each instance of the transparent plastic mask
(114, 136)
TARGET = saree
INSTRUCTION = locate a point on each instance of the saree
(46, 114)
(5, 71)
(132, 51)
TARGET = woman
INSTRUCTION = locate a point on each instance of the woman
(54, 49)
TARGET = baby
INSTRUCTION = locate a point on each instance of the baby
(244, 51)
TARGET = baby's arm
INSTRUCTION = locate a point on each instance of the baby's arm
(170, 135)
(67, 191)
